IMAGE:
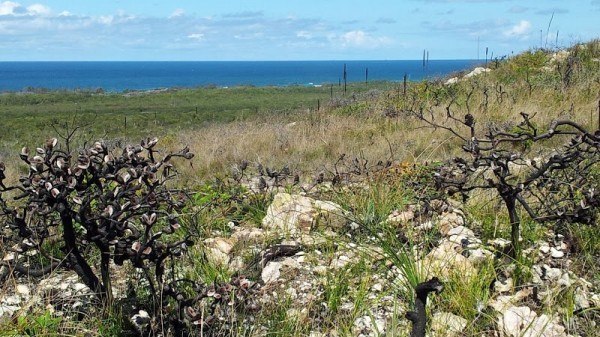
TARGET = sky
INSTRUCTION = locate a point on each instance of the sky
(179, 30)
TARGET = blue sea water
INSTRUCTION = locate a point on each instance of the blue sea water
(121, 76)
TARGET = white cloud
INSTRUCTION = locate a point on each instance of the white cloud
(8, 7)
(15, 9)
(177, 13)
(519, 30)
(359, 38)
(106, 19)
(304, 35)
(38, 9)
(196, 36)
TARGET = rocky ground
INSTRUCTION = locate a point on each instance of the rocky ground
(324, 269)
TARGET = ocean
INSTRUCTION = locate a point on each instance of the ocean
(122, 76)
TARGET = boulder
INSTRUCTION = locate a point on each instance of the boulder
(295, 214)
(217, 250)
(524, 322)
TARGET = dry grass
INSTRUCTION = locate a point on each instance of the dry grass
(311, 141)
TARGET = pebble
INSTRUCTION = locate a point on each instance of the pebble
(555, 253)
(505, 286)
(23, 289)
(271, 272)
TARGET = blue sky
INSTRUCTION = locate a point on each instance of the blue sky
(288, 29)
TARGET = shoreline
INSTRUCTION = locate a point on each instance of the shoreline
(158, 90)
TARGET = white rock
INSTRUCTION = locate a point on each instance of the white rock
(555, 253)
(80, 287)
(340, 262)
(271, 272)
(12, 300)
(499, 243)
(444, 260)
(546, 273)
(9, 257)
(479, 255)
(565, 280)
(291, 292)
(236, 264)
(461, 231)
(249, 235)
(448, 323)
(451, 80)
(22, 289)
(503, 287)
(596, 300)
(217, 250)
(477, 71)
(377, 287)
(8, 310)
(581, 299)
(370, 326)
(523, 322)
(401, 217)
(427, 225)
(449, 220)
(292, 214)
(545, 248)
(503, 302)
(347, 306)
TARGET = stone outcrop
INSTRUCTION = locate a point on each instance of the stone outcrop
(292, 215)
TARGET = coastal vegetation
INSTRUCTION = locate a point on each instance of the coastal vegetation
(486, 179)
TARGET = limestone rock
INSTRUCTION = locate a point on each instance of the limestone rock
(271, 272)
(448, 323)
(461, 231)
(22, 290)
(248, 235)
(450, 220)
(398, 217)
(479, 255)
(503, 287)
(523, 322)
(477, 71)
(217, 250)
(444, 260)
(369, 326)
(555, 253)
(294, 214)
(503, 302)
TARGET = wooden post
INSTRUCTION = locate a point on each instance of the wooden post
(367, 76)
(486, 54)
(404, 83)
